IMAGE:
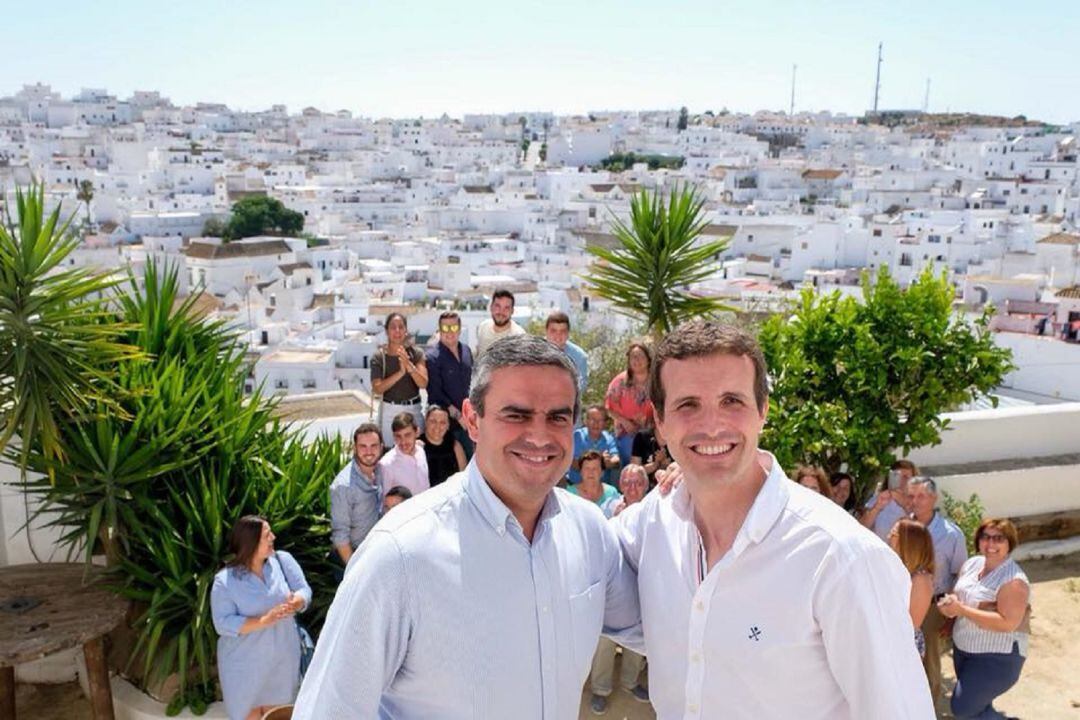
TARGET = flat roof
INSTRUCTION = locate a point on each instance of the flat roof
(299, 356)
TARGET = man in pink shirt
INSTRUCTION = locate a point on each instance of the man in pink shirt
(406, 463)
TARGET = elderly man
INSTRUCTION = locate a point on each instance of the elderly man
(483, 597)
(501, 323)
(760, 598)
(950, 554)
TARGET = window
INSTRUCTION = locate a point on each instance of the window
(281, 384)
(877, 232)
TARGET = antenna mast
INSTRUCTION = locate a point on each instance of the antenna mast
(926, 98)
(791, 110)
(877, 80)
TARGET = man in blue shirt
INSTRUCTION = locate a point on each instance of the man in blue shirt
(484, 597)
(594, 436)
(449, 367)
(557, 331)
(950, 554)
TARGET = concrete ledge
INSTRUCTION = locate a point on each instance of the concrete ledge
(130, 703)
(1046, 549)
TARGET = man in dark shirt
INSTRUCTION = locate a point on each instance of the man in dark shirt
(449, 366)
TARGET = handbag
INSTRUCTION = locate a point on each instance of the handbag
(307, 645)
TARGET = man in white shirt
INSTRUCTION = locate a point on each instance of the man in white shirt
(759, 598)
(501, 323)
(484, 597)
(406, 463)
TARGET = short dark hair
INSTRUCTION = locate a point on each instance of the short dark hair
(365, 429)
(597, 406)
(449, 315)
(435, 407)
(518, 351)
(403, 420)
(399, 491)
(589, 456)
(557, 317)
(702, 338)
(502, 293)
(1006, 527)
(244, 540)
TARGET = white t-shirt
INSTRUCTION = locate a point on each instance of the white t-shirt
(487, 333)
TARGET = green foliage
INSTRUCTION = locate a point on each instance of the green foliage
(158, 486)
(56, 337)
(261, 215)
(543, 152)
(618, 162)
(967, 516)
(684, 116)
(854, 382)
(215, 227)
(658, 256)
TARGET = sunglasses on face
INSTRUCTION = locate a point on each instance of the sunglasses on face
(449, 328)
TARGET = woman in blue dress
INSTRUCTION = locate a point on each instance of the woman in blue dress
(253, 602)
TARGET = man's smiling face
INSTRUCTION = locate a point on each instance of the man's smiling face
(711, 422)
(525, 439)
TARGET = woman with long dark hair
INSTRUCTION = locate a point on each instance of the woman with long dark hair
(398, 373)
(253, 601)
(627, 399)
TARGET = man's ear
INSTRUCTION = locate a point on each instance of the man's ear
(470, 419)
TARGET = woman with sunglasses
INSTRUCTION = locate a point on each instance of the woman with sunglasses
(991, 605)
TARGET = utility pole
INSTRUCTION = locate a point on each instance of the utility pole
(877, 80)
(791, 110)
(926, 97)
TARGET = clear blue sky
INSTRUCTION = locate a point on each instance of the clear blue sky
(407, 58)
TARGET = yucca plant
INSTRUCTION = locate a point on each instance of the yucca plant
(658, 257)
(158, 485)
(58, 340)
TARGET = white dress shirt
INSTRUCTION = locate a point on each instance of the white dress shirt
(408, 471)
(806, 616)
(447, 611)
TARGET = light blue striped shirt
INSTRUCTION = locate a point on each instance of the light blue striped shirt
(950, 552)
(447, 611)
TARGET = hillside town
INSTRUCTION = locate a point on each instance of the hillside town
(414, 215)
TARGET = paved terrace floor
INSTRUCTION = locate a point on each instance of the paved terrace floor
(1047, 689)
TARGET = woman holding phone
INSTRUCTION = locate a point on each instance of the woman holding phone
(398, 372)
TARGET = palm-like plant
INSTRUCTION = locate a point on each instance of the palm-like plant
(56, 337)
(657, 258)
(158, 485)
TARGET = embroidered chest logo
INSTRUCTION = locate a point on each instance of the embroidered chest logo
(755, 633)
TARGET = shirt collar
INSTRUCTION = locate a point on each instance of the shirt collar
(766, 509)
(494, 510)
(358, 479)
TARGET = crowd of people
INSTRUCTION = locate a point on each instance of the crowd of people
(439, 618)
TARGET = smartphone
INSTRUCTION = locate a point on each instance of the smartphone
(894, 480)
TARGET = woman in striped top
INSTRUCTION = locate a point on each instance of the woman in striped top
(991, 605)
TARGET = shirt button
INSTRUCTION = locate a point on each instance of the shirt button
(545, 608)
(696, 657)
(692, 708)
(699, 606)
